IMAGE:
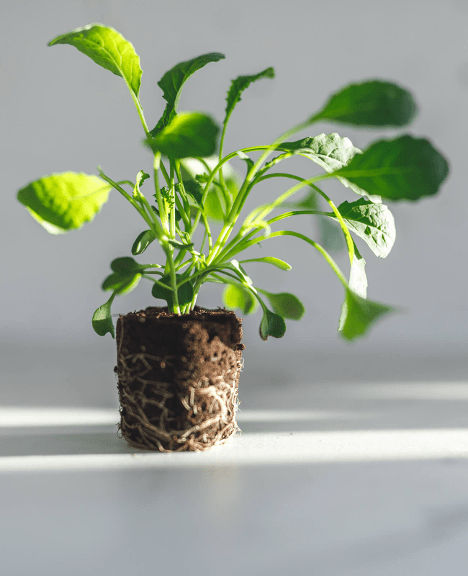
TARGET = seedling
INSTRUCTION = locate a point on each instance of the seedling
(193, 183)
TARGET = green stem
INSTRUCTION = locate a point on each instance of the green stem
(135, 204)
(344, 228)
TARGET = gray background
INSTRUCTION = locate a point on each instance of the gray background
(63, 112)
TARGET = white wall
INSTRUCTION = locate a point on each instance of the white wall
(60, 111)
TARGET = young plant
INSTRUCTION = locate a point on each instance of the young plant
(194, 183)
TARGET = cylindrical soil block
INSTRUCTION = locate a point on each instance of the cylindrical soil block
(178, 378)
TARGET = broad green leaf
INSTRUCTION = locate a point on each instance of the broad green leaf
(126, 265)
(372, 103)
(102, 319)
(185, 293)
(109, 49)
(271, 325)
(121, 283)
(281, 264)
(329, 151)
(66, 201)
(239, 85)
(405, 168)
(359, 314)
(143, 241)
(189, 135)
(173, 80)
(285, 304)
(235, 296)
(374, 223)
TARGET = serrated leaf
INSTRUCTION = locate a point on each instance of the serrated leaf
(359, 314)
(239, 84)
(375, 103)
(102, 319)
(185, 292)
(374, 223)
(271, 325)
(66, 201)
(285, 304)
(405, 168)
(189, 135)
(172, 82)
(142, 242)
(235, 296)
(281, 264)
(109, 49)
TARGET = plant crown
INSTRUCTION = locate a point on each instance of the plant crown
(193, 181)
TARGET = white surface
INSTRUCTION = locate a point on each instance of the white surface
(337, 474)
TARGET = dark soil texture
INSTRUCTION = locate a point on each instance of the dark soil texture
(178, 378)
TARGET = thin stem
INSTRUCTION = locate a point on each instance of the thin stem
(344, 228)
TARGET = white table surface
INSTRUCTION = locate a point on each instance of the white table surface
(337, 472)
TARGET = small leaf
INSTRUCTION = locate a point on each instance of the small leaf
(126, 264)
(281, 264)
(102, 319)
(373, 103)
(109, 49)
(140, 178)
(121, 283)
(239, 85)
(374, 223)
(285, 304)
(143, 241)
(185, 293)
(405, 168)
(173, 80)
(236, 296)
(271, 325)
(66, 201)
(189, 135)
(359, 314)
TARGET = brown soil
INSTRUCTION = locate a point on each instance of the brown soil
(178, 378)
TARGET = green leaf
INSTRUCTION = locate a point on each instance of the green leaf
(121, 283)
(330, 151)
(281, 264)
(139, 181)
(285, 304)
(126, 265)
(271, 325)
(239, 85)
(109, 49)
(66, 201)
(102, 319)
(236, 296)
(185, 293)
(374, 223)
(373, 103)
(189, 135)
(142, 242)
(359, 314)
(405, 168)
(173, 80)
